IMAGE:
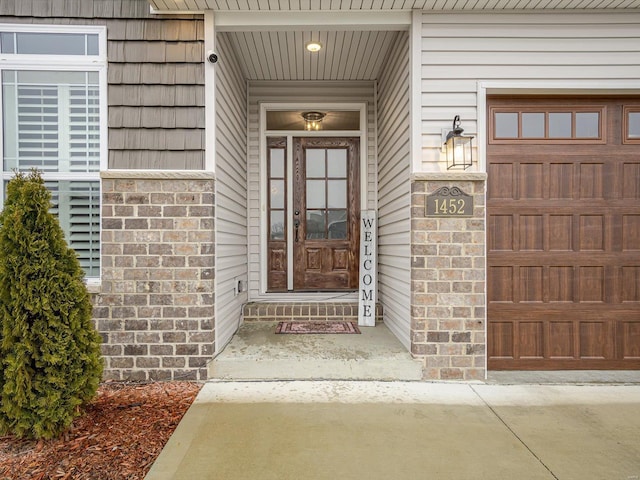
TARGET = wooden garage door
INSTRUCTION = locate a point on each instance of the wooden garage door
(563, 233)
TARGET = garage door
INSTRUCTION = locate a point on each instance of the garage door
(563, 233)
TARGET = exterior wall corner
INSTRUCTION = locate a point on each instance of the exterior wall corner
(155, 310)
(448, 304)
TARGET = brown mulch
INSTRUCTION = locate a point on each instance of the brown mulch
(119, 436)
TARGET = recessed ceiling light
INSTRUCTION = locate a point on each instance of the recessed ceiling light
(314, 46)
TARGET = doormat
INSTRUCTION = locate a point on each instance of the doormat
(317, 327)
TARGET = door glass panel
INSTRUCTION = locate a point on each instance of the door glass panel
(634, 125)
(506, 125)
(533, 125)
(337, 163)
(316, 194)
(277, 225)
(315, 162)
(315, 224)
(337, 224)
(587, 125)
(560, 125)
(337, 190)
(277, 193)
(277, 162)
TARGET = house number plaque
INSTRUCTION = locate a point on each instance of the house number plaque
(449, 202)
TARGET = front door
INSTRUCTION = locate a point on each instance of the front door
(323, 218)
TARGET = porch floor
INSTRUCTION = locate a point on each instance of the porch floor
(257, 353)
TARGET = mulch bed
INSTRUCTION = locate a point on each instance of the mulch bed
(119, 437)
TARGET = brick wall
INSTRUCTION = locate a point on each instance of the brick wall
(448, 310)
(155, 309)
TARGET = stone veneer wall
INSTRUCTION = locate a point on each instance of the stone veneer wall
(155, 309)
(448, 307)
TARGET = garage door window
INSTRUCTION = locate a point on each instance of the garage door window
(632, 124)
(547, 125)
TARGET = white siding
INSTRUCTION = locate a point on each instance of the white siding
(394, 198)
(231, 192)
(458, 50)
(298, 92)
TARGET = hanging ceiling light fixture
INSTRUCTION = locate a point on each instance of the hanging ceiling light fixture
(312, 120)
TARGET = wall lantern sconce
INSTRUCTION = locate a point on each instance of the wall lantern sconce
(458, 147)
(312, 120)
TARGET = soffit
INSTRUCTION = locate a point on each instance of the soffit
(387, 5)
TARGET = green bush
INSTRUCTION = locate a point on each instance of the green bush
(50, 362)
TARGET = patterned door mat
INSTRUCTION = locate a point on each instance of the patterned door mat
(316, 327)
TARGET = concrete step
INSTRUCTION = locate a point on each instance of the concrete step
(257, 353)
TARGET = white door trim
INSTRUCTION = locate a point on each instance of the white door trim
(264, 133)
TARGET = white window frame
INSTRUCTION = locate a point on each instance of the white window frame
(79, 63)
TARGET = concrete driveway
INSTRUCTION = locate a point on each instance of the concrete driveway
(339, 430)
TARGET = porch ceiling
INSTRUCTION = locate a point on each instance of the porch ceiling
(378, 5)
(281, 55)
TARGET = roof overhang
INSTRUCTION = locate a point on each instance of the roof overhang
(361, 6)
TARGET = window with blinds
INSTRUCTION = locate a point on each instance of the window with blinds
(52, 121)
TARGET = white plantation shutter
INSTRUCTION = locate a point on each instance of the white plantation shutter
(52, 123)
(77, 205)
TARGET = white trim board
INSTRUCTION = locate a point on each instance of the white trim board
(361, 133)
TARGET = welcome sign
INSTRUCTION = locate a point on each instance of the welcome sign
(368, 269)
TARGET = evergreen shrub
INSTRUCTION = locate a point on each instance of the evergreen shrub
(50, 363)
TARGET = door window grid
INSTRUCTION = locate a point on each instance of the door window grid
(326, 193)
(277, 197)
(51, 120)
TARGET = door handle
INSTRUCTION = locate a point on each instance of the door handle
(296, 224)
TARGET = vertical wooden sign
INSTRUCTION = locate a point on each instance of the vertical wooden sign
(368, 269)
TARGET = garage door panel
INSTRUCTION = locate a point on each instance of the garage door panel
(591, 232)
(560, 233)
(500, 285)
(531, 284)
(591, 284)
(561, 340)
(561, 180)
(631, 232)
(501, 227)
(630, 339)
(530, 340)
(561, 284)
(563, 237)
(501, 340)
(531, 180)
(591, 180)
(630, 283)
(596, 340)
(631, 180)
(531, 232)
(503, 186)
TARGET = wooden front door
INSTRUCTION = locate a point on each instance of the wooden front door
(563, 233)
(323, 222)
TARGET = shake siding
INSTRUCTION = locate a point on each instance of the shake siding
(394, 198)
(155, 77)
(458, 50)
(292, 92)
(231, 191)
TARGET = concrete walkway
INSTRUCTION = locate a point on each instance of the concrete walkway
(340, 430)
